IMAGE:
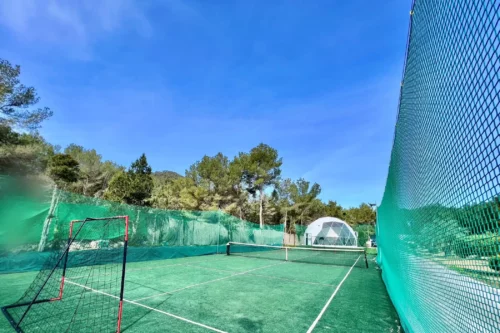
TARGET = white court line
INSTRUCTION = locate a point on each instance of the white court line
(162, 266)
(311, 328)
(150, 268)
(309, 256)
(210, 281)
(128, 270)
(267, 276)
(148, 307)
(179, 264)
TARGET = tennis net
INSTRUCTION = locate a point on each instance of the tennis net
(332, 256)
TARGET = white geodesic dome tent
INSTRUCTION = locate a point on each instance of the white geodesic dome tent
(330, 231)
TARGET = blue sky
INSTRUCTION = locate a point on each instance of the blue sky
(317, 80)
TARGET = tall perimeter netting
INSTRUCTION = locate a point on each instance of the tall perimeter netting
(34, 224)
(438, 224)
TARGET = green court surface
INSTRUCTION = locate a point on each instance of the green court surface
(220, 293)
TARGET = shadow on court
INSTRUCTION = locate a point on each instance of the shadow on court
(238, 294)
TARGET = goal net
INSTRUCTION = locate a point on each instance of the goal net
(80, 287)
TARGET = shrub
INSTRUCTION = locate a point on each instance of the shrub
(484, 245)
(494, 263)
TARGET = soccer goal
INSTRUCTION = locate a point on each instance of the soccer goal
(80, 287)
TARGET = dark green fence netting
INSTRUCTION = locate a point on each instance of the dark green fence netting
(438, 227)
(364, 232)
(35, 220)
(300, 231)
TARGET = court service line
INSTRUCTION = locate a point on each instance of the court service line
(309, 256)
(148, 307)
(267, 276)
(180, 264)
(150, 268)
(160, 266)
(311, 328)
(206, 282)
(128, 270)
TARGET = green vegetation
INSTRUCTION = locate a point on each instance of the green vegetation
(63, 168)
(16, 98)
(483, 245)
(259, 170)
(364, 232)
(95, 174)
(494, 262)
(132, 187)
(248, 186)
(467, 232)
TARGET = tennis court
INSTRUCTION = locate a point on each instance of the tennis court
(247, 291)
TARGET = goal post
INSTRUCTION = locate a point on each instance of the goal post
(81, 285)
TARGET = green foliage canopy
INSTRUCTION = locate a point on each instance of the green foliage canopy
(134, 186)
(95, 174)
(260, 168)
(63, 168)
(16, 99)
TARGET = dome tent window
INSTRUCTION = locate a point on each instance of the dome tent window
(330, 232)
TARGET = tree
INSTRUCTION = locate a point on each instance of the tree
(213, 175)
(261, 169)
(209, 184)
(166, 195)
(333, 209)
(282, 195)
(134, 186)
(94, 174)
(140, 166)
(23, 154)
(108, 170)
(7, 135)
(141, 181)
(316, 210)
(194, 197)
(360, 215)
(119, 189)
(269, 210)
(63, 168)
(215, 170)
(16, 99)
(304, 198)
(239, 203)
(23, 160)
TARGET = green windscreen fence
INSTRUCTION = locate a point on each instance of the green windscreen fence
(300, 231)
(438, 224)
(34, 221)
(364, 232)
